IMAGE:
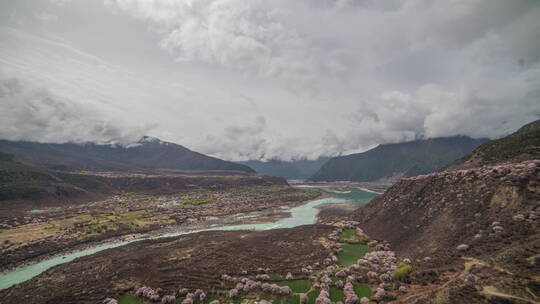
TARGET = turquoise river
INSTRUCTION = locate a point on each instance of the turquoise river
(301, 215)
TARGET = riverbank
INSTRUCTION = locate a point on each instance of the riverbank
(204, 223)
(369, 190)
(345, 187)
(54, 231)
(291, 215)
(192, 261)
(301, 214)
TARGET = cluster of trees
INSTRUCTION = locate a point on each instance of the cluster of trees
(148, 293)
(307, 270)
(246, 285)
(380, 266)
(154, 295)
(376, 266)
(350, 294)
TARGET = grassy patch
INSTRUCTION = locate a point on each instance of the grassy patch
(351, 253)
(336, 294)
(275, 277)
(292, 300)
(297, 286)
(129, 299)
(312, 295)
(349, 236)
(363, 291)
(277, 300)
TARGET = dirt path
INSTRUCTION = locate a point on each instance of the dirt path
(492, 291)
(487, 290)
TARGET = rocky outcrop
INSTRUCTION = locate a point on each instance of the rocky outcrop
(426, 215)
(489, 214)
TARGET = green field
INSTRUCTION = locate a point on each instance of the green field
(275, 276)
(129, 299)
(292, 300)
(363, 291)
(351, 253)
(347, 234)
(312, 295)
(336, 294)
(297, 286)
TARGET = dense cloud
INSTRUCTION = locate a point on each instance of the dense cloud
(34, 114)
(245, 79)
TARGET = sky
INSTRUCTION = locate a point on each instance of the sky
(267, 79)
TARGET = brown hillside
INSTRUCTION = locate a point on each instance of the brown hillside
(493, 209)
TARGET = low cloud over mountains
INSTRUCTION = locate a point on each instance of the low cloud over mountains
(243, 79)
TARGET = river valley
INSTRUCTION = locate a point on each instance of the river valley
(300, 215)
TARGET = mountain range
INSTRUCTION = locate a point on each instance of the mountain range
(294, 169)
(397, 159)
(474, 224)
(146, 154)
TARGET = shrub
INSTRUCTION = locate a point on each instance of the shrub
(403, 271)
(168, 299)
(233, 293)
(182, 292)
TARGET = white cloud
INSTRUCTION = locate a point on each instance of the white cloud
(276, 78)
(33, 113)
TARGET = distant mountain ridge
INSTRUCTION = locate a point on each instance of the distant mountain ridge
(147, 153)
(398, 159)
(295, 169)
(24, 185)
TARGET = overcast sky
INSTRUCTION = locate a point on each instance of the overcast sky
(262, 79)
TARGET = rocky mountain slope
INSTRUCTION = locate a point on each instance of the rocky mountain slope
(20, 181)
(295, 169)
(522, 145)
(147, 154)
(26, 185)
(474, 233)
(397, 160)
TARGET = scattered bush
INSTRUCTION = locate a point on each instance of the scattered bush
(403, 271)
